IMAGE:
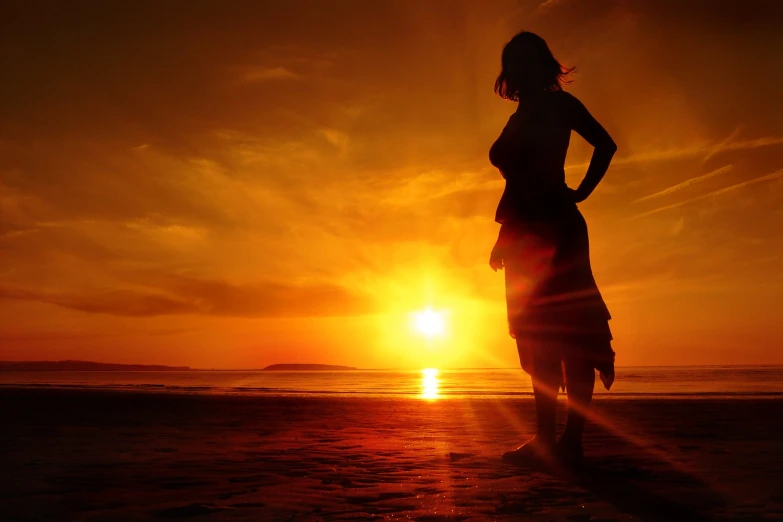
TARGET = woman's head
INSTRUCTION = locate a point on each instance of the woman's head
(529, 67)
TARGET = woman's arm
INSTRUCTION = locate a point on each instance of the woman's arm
(592, 131)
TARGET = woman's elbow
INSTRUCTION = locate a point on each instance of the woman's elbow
(610, 147)
(610, 144)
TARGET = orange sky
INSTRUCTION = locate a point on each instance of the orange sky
(236, 184)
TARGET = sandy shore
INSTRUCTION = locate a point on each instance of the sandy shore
(72, 455)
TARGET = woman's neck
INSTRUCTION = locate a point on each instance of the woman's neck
(528, 101)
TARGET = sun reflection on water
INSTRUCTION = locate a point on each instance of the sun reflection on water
(429, 383)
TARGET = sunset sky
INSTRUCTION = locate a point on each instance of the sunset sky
(236, 184)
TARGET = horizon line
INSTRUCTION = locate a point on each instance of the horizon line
(412, 368)
(351, 368)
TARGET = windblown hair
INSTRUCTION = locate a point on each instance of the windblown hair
(529, 67)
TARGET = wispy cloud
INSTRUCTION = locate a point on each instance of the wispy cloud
(769, 177)
(707, 149)
(686, 183)
(178, 295)
(721, 145)
(256, 74)
(548, 4)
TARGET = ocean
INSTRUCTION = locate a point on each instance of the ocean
(631, 382)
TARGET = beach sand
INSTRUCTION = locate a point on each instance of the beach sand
(89, 455)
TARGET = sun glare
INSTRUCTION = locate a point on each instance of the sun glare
(429, 383)
(429, 323)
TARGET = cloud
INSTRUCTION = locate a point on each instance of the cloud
(722, 145)
(549, 4)
(769, 177)
(182, 295)
(686, 183)
(708, 149)
(259, 74)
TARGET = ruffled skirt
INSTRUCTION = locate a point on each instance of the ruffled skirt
(554, 305)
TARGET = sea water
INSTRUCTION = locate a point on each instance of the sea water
(631, 382)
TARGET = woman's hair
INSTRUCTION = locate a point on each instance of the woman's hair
(529, 67)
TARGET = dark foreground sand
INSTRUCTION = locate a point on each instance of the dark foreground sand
(135, 456)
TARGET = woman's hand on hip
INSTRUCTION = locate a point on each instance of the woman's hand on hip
(576, 196)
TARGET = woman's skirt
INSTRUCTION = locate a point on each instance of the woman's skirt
(554, 307)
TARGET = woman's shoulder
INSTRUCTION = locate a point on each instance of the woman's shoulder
(566, 98)
(569, 105)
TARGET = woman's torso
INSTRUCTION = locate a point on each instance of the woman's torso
(530, 154)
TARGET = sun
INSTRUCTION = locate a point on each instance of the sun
(429, 323)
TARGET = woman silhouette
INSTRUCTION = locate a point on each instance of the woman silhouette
(555, 312)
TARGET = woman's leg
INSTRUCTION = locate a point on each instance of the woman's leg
(546, 373)
(580, 380)
(547, 378)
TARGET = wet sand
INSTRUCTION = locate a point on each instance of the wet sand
(89, 455)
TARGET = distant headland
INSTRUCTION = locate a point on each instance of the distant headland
(85, 366)
(309, 367)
